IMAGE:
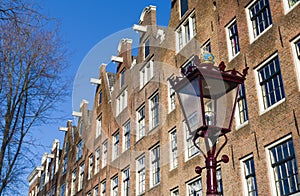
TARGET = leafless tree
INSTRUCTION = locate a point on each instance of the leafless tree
(32, 62)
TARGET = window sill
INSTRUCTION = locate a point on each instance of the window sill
(288, 10)
(272, 106)
(154, 186)
(184, 45)
(152, 128)
(137, 141)
(233, 57)
(253, 39)
(192, 157)
(141, 87)
(238, 127)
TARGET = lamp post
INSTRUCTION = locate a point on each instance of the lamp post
(207, 95)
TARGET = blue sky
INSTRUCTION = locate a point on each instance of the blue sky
(92, 30)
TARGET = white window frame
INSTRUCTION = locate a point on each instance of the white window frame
(122, 101)
(238, 123)
(114, 186)
(171, 98)
(271, 172)
(81, 177)
(182, 37)
(141, 123)
(206, 46)
(173, 149)
(90, 166)
(122, 77)
(97, 161)
(125, 182)
(296, 57)
(140, 174)
(188, 141)
(146, 73)
(103, 188)
(73, 183)
(175, 192)
(259, 88)
(245, 183)
(99, 126)
(191, 182)
(116, 145)
(154, 112)
(250, 25)
(104, 153)
(126, 136)
(287, 7)
(179, 8)
(146, 42)
(100, 97)
(79, 152)
(155, 166)
(231, 54)
(96, 191)
(62, 190)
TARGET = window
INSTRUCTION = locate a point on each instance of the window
(171, 96)
(296, 53)
(219, 181)
(242, 110)
(140, 175)
(122, 101)
(290, 4)
(73, 184)
(80, 127)
(67, 147)
(89, 193)
(140, 123)
(209, 112)
(116, 143)
(79, 150)
(103, 188)
(100, 97)
(99, 126)
(147, 48)
(194, 188)
(283, 166)
(65, 164)
(259, 15)
(155, 166)
(249, 177)
(114, 186)
(173, 149)
(232, 39)
(185, 32)
(126, 182)
(126, 136)
(97, 162)
(52, 170)
(188, 64)
(122, 77)
(104, 154)
(91, 163)
(206, 46)
(175, 192)
(63, 190)
(191, 150)
(183, 7)
(96, 191)
(146, 73)
(270, 83)
(154, 111)
(53, 190)
(81, 177)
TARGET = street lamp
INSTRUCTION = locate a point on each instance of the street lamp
(207, 95)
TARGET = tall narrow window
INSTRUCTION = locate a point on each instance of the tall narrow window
(79, 150)
(284, 167)
(126, 140)
(116, 143)
(99, 126)
(296, 54)
(146, 73)
(114, 186)
(183, 7)
(191, 150)
(122, 101)
(173, 149)
(122, 77)
(219, 182)
(155, 166)
(126, 182)
(147, 48)
(90, 169)
(242, 113)
(233, 39)
(65, 164)
(140, 175)
(171, 96)
(97, 162)
(80, 126)
(73, 184)
(154, 111)
(249, 180)
(175, 192)
(194, 188)
(103, 188)
(260, 17)
(96, 193)
(81, 177)
(63, 190)
(186, 31)
(206, 46)
(104, 154)
(270, 83)
(100, 97)
(140, 123)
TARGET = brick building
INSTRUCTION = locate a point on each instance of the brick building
(134, 141)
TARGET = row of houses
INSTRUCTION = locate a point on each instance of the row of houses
(134, 140)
